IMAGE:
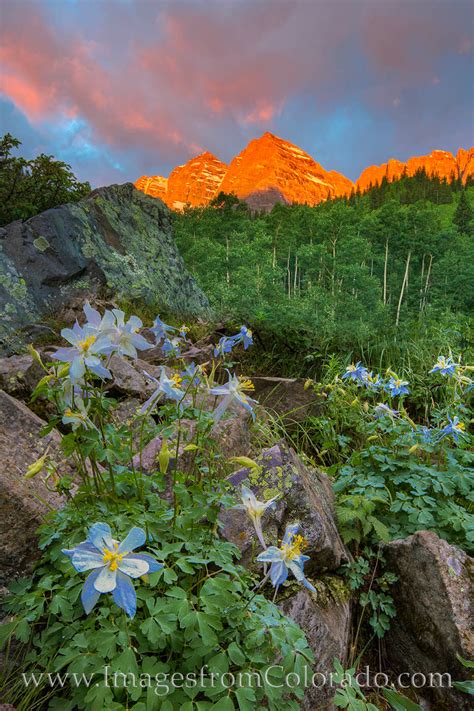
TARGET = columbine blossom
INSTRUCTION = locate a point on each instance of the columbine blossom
(287, 557)
(86, 351)
(166, 386)
(191, 375)
(113, 565)
(125, 337)
(172, 347)
(356, 372)
(454, 428)
(373, 382)
(255, 510)
(227, 343)
(395, 386)
(78, 417)
(224, 346)
(161, 330)
(233, 391)
(445, 366)
(382, 410)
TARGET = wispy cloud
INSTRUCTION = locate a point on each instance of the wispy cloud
(144, 84)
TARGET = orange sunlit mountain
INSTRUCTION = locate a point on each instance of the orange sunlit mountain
(271, 170)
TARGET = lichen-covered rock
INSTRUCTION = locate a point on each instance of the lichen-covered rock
(434, 600)
(19, 375)
(23, 503)
(305, 496)
(116, 237)
(325, 618)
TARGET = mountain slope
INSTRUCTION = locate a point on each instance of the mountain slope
(271, 170)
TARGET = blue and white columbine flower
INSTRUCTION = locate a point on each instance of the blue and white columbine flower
(227, 343)
(233, 391)
(125, 337)
(382, 410)
(255, 510)
(85, 354)
(287, 557)
(167, 387)
(78, 417)
(161, 330)
(356, 372)
(445, 366)
(191, 375)
(396, 386)
(172, 347)
(373, 382)
(113, 565)
(454, 428)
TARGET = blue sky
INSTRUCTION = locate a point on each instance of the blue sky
(121, 88)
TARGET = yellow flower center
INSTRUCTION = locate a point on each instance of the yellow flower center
(351, 368)
(184, 329)
(460, 426)
(246, 385)
(86, 343)
(398, 383)
(112, 557)
(293, 549)
(177, 379)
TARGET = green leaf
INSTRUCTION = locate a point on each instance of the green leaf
(246, 698)
(224, 704)
(465, 686)
(235, 653)
(399, 702)
(6, 631)
(465, 662)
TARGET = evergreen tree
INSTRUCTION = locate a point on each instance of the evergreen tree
(463, 215)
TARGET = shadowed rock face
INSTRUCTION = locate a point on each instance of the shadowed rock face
(434, 600)
(117, 237)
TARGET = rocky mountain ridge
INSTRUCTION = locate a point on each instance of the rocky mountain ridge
(271, 170)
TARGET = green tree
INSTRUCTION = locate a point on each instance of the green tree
(463, 215)
(29, 187)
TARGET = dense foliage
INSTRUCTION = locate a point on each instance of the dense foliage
(343, 276)
(28, 187)
(195, 632)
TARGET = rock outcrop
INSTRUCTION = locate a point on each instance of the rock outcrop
(271, 170)
(23, 503)
(306, 497)
(117, 237)
(440, 163)
(434, 600)
(270, 163)
(325, 618)
(267, 171)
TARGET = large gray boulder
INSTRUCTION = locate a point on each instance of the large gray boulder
(24, 503)
(117, 237)
(434, 599)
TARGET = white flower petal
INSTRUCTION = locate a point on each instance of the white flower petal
(106, 580)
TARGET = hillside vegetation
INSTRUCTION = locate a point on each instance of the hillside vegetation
(365, 275)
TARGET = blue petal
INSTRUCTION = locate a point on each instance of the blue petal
(278, 573)
(154, 566)
(124, 594)
(133, 566)
(89, 594)
(135, 538)
(84, 560)
(84, 546)
(291, 531)
(271, 555)
(100, 536)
